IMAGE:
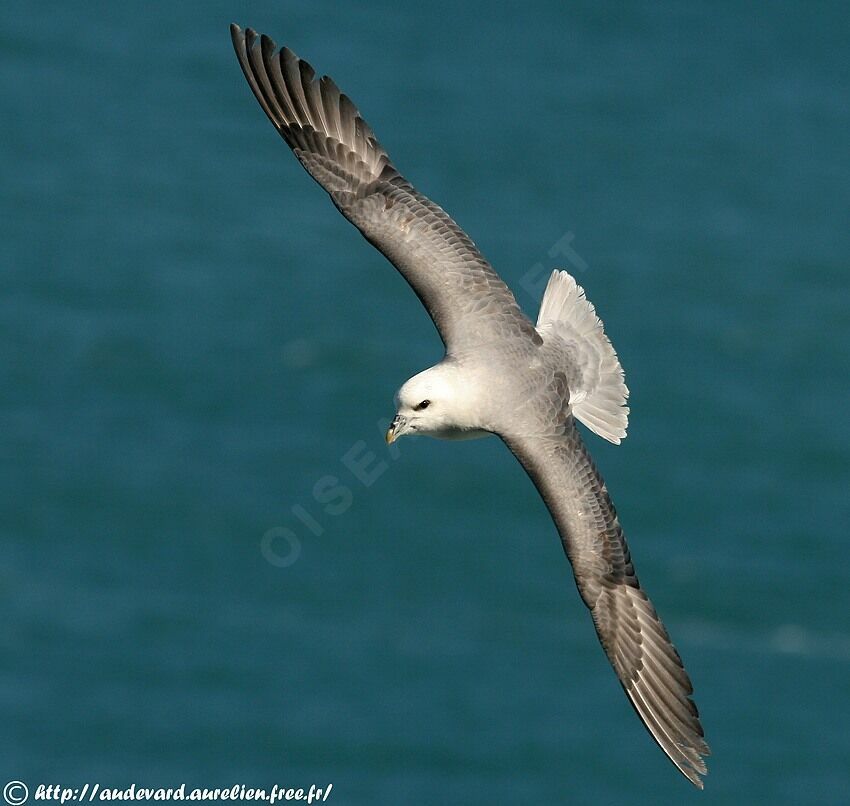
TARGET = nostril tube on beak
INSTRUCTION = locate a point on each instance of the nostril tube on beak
(393, 432)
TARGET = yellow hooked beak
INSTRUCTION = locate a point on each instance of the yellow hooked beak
(396, 429)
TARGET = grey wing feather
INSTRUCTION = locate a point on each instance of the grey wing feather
(467, 300)
(632, 635)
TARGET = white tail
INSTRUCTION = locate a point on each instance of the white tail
(600, 399)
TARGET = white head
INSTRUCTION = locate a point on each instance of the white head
(435, 402)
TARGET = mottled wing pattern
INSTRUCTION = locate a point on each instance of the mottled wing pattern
(632, 635)
(467, 300)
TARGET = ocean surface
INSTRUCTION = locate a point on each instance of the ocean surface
(212, 569)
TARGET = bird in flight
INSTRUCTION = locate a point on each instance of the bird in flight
(501, 374)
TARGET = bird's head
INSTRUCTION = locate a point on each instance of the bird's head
(435, 403)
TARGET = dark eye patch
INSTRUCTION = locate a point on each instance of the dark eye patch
(423, 405)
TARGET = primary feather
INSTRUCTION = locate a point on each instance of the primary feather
(468, 301)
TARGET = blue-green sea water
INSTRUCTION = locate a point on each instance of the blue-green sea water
(192, 341)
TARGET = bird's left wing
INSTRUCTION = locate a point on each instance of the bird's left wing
(632, 635)
(468, 301)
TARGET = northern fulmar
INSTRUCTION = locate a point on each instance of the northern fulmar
(501, 374)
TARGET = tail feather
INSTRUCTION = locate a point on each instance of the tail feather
(599, 401)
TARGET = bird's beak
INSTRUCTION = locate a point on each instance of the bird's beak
(396, 429)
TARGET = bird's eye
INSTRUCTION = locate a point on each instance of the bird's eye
(423, 405)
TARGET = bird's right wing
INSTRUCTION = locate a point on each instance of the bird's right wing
(467, 300)
(632, 635)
